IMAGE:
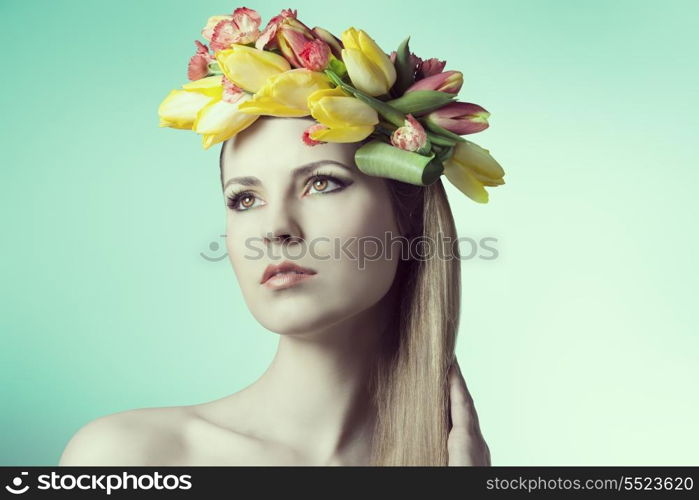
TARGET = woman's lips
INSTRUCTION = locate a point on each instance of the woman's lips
(288, 273)
(286, 280)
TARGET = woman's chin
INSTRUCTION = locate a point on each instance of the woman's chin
(299, 320)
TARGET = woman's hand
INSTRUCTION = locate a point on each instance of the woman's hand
(465, 443)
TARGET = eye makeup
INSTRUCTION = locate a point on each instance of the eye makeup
(235, 197)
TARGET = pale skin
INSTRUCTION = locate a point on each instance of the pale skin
(311, 405)
(465, 443)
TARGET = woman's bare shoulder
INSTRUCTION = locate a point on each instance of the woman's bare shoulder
(145, 436)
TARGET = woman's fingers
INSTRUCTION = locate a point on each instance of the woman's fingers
(465, 444)
(461, 403)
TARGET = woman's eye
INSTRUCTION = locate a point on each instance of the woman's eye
(243, 202)
(319, 184)
(322, 184)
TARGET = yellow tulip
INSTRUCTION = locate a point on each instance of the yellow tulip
(470, 168)
(202, 106)
(248, 67)
(179, 109)
(369, 68)
(220, 120)
(286, 94)
(346, 118)
(209, 85)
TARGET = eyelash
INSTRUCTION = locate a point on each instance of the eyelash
(235, 197)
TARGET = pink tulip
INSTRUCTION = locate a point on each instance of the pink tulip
(411, 136)
(289, 35)
(293, 36)
(447, 81)
(460, 117)
(268, 38)
(334, 42)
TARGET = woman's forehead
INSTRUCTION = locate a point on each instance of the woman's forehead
(277, 144)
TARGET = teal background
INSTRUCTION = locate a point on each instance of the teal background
(578, 343)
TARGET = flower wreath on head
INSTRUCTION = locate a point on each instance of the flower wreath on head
(400, 106)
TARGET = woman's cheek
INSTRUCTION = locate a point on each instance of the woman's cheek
(245, 250)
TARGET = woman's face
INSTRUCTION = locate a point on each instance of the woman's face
(334, 223)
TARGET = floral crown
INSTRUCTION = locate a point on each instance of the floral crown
(401, 107)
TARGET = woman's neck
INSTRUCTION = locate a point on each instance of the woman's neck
(315, 397)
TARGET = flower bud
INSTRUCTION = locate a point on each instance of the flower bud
(447, 81)
(293, 37)
(333, 42)
(315, 55)
(471, 168)
(411, 136)
(369, 67)
(460, 118)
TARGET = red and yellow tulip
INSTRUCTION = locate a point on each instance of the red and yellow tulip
(447, 81)
(460, 118)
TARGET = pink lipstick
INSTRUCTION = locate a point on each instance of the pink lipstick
(285, 275)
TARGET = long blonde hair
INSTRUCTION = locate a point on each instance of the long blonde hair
(409, 382)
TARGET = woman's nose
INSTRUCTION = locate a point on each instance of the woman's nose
(282, 226)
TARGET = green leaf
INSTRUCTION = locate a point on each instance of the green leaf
(421, 101)
(387, 125)
(381, 159)
(426, 149)
(432, 171)
(445, 154)
(404, 73)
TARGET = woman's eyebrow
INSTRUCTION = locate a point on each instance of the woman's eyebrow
(297, 172)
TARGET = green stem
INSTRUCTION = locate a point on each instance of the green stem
(388, 112)
(437, 139)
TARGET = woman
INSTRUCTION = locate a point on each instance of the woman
(364, 354)
(365, 372)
